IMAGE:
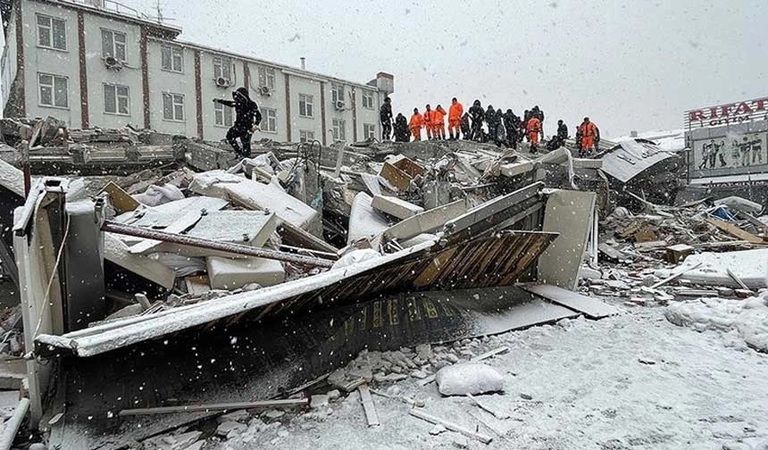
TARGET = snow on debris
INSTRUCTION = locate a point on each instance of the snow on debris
(748, 318)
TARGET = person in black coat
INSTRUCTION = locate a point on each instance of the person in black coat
(401, 128)
(385, 114)
(493, 123)
(512, 125)
(477, 114)
(247, 118)
(559, 139)
(466, 128)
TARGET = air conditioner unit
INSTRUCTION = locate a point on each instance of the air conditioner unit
(223, 82)
(265, 91)
(339, 105)
(113, 63)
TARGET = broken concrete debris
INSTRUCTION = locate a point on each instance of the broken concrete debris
(205, 243)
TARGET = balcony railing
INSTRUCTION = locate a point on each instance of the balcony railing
(116, 7)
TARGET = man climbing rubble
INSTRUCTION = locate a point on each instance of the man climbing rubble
(247, 120)
(417, 121)
(589, 136)
(477, 114)
(455, 112)
(401, 128)
(385, 114)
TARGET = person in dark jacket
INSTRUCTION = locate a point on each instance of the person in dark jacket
(401, 129)
(247, 118)
(466, 128)
(478, 115)
(492, 122)
(512, 125)
(558, 140)
(385, 114)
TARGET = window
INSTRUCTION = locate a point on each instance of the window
(172, 58)
(51, 33)
(305, 105)
(367, 100)
(337, 93)
(306, 136)
(369, 131)
(116, 99)
(267, 77)
(223, 115)
(222, 67)
(339, 130)
(113, 44)
(269, 120)
(173, 106)
(53, 90)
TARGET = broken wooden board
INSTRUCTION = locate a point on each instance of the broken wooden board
(121, 201)
(594, 309)
(368, 406)
(396, 177)
(736, 232)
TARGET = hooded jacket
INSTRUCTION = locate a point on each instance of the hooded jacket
(246, 111)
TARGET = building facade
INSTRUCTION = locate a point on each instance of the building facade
(96, 63)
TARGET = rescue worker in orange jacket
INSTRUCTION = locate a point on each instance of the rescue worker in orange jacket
(417, 121)
(589, 137)
(438, 122)
(428, 121)
(533, 129)
(455, 112)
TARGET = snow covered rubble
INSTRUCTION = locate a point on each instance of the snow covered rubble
(747, 319)
(631, 381)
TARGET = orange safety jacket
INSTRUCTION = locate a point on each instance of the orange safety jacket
(588, 130)
(417, 121)
(534, 125)
(455, 112)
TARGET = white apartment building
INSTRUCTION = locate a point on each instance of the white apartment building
(97, 63)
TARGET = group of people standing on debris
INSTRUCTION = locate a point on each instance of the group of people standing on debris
(503, 128)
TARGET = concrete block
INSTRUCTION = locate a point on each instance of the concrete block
(226, 273)
(396, 207)
(364, 221)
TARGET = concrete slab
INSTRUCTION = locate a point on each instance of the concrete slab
(426, 222)
(118, 252)
(226, 273)
(395, 206)
(592, 308)
(364, 221)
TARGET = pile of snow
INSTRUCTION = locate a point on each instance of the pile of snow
(748, 318)
(356, 257)
(472, 379)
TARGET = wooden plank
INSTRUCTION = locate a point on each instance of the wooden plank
(594, 309)
(485, 439)
(368, 406)
(288, 403)
(674, 276)
(12, 425)
(735, 278)
(735, 231)
(120, 199)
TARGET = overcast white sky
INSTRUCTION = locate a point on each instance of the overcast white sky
(629, 65)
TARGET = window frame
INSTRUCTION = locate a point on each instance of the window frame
(265, 114)
(52, 87)
(337, 92)
(367, 97)
(267, 77)
(127, 96)
(308, 102)
(221, 66)
(114, 34)
(306, 136)
(50, 28)
(339, 130)
(224, 109)
(372, 128)
(173, 96)
(172, 48)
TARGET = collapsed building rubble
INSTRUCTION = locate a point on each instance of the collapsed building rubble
(310, 255)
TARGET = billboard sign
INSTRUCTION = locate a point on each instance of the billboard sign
(727, 114)
(728, 150)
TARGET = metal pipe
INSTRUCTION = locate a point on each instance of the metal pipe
(227, 247)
